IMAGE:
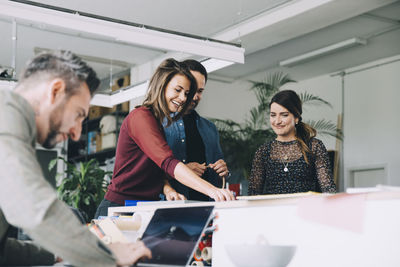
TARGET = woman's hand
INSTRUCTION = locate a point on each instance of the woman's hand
(170, 193)
(219, 194)
(173, 195)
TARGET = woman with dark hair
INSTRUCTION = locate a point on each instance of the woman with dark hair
(295, 161)
(143, 155)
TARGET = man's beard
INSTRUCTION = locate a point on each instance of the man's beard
(50, 141)
(192, 106)
(55, 125)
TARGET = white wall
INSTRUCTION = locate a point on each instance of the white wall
(227, 100)
(371, 123)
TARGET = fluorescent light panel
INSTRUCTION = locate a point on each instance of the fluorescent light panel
(212, 64)
(102, 100)
(323, 51)
(135, 91)
(125, 33)
(269, 17)
(121, 96)
(129, 93)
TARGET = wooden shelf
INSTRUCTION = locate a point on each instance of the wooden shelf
(100, 156)
(116, 113)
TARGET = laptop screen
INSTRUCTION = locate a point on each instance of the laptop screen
(173, 233)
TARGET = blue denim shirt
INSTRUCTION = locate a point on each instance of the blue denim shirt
(176, 139)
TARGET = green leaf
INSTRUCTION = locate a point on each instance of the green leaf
(86, 200)
(82, 185)
(239, 141)
(52, 163)
(325, 127)
(311, 99)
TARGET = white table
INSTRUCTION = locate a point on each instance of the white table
(372, 237)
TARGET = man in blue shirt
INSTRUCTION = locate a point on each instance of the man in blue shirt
(195, 141)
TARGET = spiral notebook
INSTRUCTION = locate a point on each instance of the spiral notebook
(173, 234)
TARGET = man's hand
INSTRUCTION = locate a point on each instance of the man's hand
(220, 167)
(129, 253)
(197, 168)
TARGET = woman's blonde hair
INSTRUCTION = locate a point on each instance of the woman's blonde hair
(155, 98)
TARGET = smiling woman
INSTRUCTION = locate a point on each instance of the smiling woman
(176, 92)
(283, 122)
(143, 157)
(295, 161)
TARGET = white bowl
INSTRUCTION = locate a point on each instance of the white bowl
(260, 255)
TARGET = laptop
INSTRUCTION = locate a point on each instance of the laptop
(173, 234)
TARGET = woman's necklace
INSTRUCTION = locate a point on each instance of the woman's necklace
(285, 164)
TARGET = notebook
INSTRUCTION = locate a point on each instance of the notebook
(173, 234)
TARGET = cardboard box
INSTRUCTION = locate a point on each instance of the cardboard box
(123, 107)
(96, 112)
(121, 82)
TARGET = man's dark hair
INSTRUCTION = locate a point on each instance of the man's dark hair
(194, 65)
(62, 64)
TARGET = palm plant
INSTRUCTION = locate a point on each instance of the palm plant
(239, 142)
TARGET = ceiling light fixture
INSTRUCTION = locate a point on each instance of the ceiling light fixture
(270, 17)
(323, 51)
(120, 96)
(139, 90)
(274, 15)
(212, 64)
(122, 31)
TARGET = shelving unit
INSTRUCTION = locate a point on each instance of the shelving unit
(79, 151)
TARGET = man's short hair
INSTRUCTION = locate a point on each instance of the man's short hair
(62, 64)
(194, 65)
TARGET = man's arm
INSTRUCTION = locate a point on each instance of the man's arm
(23, 253)
(28, 201)
(218, 163)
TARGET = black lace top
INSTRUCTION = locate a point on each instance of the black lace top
(280, 168)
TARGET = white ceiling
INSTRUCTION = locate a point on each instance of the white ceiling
(334, 21)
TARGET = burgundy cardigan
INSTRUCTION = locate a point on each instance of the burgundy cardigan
(142, 159)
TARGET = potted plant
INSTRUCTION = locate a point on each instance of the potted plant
(82, 185)
(239, 141)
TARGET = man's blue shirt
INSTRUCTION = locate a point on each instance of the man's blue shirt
(176, 139)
